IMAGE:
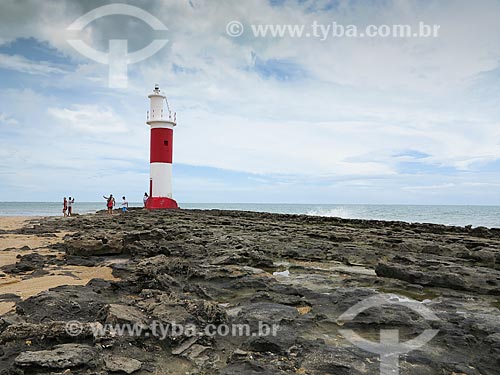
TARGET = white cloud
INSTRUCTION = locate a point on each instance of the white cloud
(431, 188)
(7, 120)
(90, 119)
(21, 64)
(360, 102)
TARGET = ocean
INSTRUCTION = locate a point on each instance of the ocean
(488, 216)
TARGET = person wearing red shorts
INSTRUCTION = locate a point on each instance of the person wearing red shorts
(110, 203)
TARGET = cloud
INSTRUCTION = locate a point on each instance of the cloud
(432, 188)
(5, 119)
(89, 119)
(304, 115)
(21, 64)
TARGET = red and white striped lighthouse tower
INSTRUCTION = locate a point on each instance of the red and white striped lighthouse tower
(162, 130)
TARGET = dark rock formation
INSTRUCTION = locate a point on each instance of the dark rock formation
(60, 357)
(257, 273)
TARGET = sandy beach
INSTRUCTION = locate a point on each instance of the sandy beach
(296, 273)
(13, 246)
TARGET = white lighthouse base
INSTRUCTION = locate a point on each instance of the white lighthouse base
(161, 175)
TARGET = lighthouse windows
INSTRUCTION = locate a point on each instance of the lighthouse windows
(165, 142)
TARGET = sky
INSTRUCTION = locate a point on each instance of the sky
(259, 119)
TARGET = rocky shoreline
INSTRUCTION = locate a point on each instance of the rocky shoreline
(299, 274)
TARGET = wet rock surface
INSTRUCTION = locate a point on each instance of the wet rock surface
(279, 283)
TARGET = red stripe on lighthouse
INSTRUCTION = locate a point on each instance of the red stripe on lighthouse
(161, 145)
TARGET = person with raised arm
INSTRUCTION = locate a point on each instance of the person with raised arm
(110, 203)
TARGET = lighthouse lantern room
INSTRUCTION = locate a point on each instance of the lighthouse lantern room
(162, 122)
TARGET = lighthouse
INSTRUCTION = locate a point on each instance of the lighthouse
(162, 123)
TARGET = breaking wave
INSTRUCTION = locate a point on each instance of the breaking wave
(341, 212)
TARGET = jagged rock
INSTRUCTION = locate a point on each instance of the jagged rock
(480, 232)
(442, 273)
(24, 331)
(10, 319)
(122, 364)
(28, 262)
(196, 353)
(339, 361)
(184, 346)
(117, 314)
(270, 313)
(81, 303)
(172, 313)
(60, 357)
(251, 367)
(94, 246)
(197, 267)
(161, 265)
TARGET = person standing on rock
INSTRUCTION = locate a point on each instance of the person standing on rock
(70, 205)
(65, 207)
(145, 199)
(124, 204)
(110, 203)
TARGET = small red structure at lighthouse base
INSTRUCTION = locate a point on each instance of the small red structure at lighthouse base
(162, 135)
(157, 203)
